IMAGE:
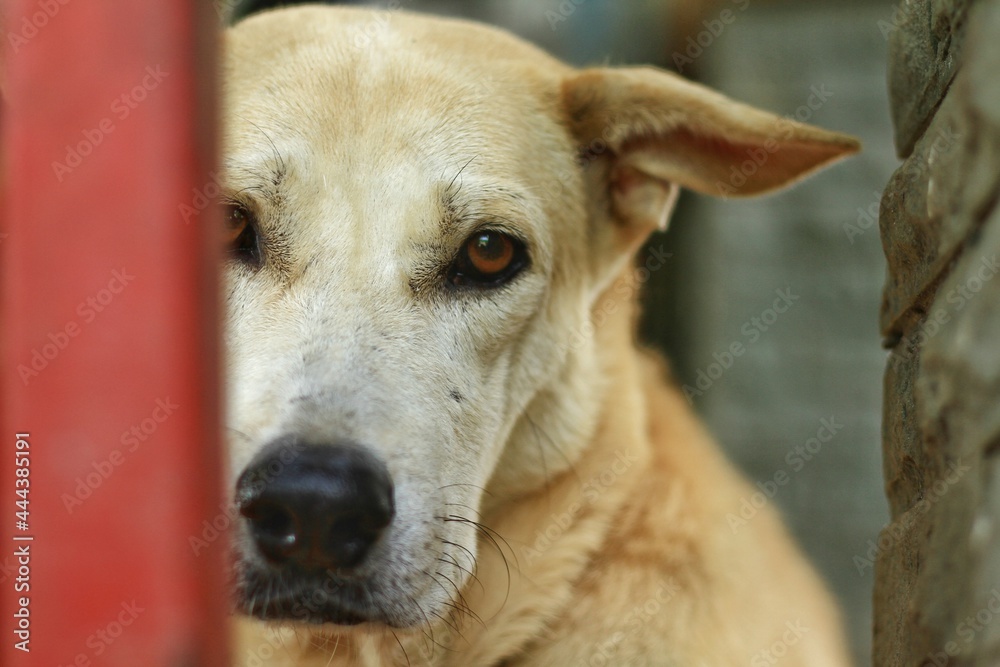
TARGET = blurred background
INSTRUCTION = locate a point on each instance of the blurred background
(820, 362)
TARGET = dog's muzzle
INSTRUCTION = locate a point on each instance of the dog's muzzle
(314, 508)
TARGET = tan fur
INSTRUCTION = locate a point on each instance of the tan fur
(613, 548)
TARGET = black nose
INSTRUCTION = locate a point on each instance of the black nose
(315, 506)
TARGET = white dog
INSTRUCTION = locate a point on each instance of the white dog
(448, 449)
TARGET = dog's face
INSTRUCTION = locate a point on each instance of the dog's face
(422, 214)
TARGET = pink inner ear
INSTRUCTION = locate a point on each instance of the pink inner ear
(641, 200)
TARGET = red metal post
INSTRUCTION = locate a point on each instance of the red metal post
(108, 324)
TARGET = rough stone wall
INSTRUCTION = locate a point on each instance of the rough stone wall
(937, 591)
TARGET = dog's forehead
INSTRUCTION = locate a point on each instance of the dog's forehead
(338, 66)
(359, 88)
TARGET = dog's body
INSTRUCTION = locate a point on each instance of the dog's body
(542, 497)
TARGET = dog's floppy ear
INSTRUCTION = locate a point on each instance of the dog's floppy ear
(662, 131)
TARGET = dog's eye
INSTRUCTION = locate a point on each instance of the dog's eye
(241, 233)
(487, 259)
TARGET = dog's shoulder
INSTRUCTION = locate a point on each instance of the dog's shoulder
(688, 575)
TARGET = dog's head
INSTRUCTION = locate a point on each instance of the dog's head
(422, 214)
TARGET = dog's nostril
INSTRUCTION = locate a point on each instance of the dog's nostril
(316, 506)
(346, 542)
(374, 520)
(273, 529)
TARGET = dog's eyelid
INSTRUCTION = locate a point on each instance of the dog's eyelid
(239, 198)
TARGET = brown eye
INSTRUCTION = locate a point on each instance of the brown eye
(237, 221)
(490, 253)
(487, 259)
(241, 233)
